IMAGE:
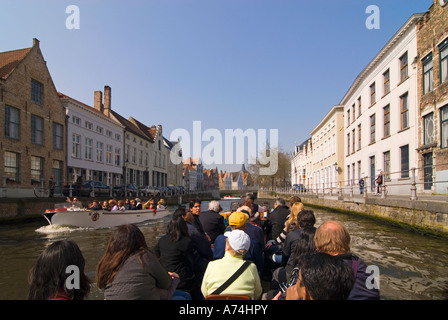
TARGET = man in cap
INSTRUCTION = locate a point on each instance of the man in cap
(219, 271)
(238, 221)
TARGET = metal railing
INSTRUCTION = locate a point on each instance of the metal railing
(410, 182)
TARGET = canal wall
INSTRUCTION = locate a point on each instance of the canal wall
(21, 209)
(422, 215)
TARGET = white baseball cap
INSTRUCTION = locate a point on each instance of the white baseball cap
(238, 240)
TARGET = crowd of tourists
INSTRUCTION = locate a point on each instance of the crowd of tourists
(209, 254)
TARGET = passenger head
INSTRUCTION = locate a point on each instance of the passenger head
(177, 227)
(295, 211)
(48, 276)
(279, 202)
(306, 218)
(195, 207)
(237, 242)
(294, 199)
(214, 206)
(324, 277)
(332, 237)
(237, 220)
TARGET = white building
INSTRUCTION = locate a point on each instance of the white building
(380, 112)
(301, 164)
(327, 144)
(94, 144)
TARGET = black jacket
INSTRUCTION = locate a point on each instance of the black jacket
(277, 219)
(212, 223)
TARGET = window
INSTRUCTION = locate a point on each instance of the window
(353, 141)
(386, 80)
(76, 146)
(372, 128)
(428, 129)
(444, 126)
(57, 136)
(427, 73)
(99, 151)
(404, 111)
(404, 151)
(353, 112)
(403, 67)
(109, 149)
(37, 91)
(386, 157)
(99, 129)
(37, 168)
(37, 130)
(76, 120)
(89, 125)
(359, 106)
(386, 111)
(348, 144)
(359, 137)
(348, 117)
(11, 166)
(443, 50)
(117, 156)
(88, 154)
(12, 122)
(372, 94)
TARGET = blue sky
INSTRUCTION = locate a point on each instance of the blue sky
(249, 64)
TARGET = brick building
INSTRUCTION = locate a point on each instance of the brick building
(432, 62)
(32, 144)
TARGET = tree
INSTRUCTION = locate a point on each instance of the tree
(271, 168)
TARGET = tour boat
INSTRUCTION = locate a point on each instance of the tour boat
(232, 197)
(73, 214)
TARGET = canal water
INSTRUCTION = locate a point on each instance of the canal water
(412, 266)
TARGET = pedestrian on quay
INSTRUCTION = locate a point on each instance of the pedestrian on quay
(379, 182)
(48, 278)
(128, 270)
(333, 238)
(361, 185)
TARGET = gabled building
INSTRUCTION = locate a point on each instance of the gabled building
(432, 122)
(94, 144)
(32, 148)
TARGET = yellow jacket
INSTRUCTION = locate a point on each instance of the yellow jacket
(218, 271)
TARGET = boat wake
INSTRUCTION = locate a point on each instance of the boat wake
(52, 228)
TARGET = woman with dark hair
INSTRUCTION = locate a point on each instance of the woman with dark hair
(176, 252)
(59, 273)
(128, 270)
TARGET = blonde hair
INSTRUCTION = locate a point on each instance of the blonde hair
(332, 237)
(295, 210)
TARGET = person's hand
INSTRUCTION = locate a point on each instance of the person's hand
(173, 275)
(277, 296)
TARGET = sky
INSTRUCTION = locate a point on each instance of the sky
(277, 65)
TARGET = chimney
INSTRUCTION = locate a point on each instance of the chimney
(107, 100)
(98, 101)
(35, 42)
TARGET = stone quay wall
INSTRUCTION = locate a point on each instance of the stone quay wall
(422, 215)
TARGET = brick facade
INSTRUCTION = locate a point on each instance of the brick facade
(16, 92)
(432, 31)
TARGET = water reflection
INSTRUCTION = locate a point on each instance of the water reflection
(412, 266)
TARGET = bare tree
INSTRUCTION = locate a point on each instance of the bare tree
(281, 177)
